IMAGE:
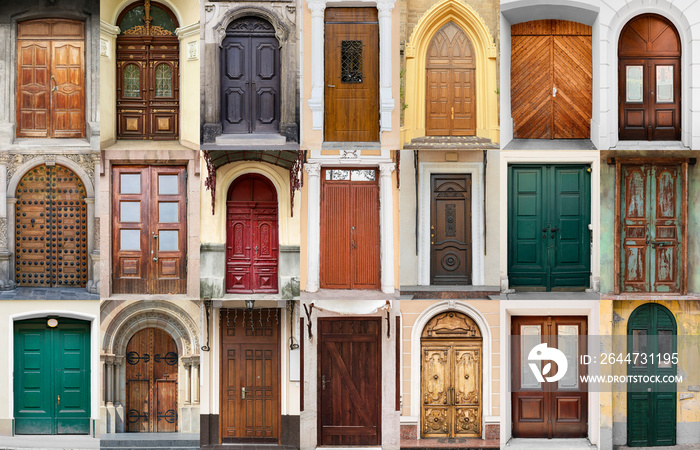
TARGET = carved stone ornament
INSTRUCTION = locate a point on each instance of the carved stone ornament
(452, 324)
(3, 232)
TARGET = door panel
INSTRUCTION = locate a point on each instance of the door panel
(33, 90)
(572, 71)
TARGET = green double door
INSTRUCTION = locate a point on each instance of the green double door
(549, 242)
(52, 376)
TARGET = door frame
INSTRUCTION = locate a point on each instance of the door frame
(683, 269)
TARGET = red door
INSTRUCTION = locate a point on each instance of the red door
(251, 236)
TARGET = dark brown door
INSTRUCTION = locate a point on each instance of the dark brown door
(252, 249)
(151, 382)
(350, 229)
(149, 230)
(352, 75)
(51, 78)
(349, 381)
(551, 80)
(51, 228)
(250, 375)
(650, 79)
(451, 229)
(250, 77)
(451, 87)
(557, 409)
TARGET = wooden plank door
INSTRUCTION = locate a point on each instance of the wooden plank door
(352, 75)
(451, 229)
(572, 73)
(350, 229)
(548, 409)
(349, 381)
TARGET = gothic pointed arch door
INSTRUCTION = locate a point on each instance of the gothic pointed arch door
(450, 84)
(151, 382)
(250, 77)
(252, 249)
(649, 74)
(148, 88)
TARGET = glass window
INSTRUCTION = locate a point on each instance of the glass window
(164, 75)
(639, 345)
(363, 175)
(567, 336)
(130, 211)
(530, 336)
(130, 240)
(167, 240)
(167, 185)
(351, 61)
(664, 84)
(337, 175)
(132, 81)
(167, 212)
(130, 183)
(665, 338)
(635, 82)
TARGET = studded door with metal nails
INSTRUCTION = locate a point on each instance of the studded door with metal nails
(51, 228)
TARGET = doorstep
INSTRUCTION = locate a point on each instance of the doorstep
(441, 443)
(348, 294)
(171, 441)
(649, 145)
(47, 293)
(56, 441)
(648, 297)
(550, 144)
(248, 447)
(450, 143)
(448, 292)
(564, 296)
(554, 444)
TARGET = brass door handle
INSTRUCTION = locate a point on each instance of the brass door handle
(59, 399)
(453, 113)
(55, 84)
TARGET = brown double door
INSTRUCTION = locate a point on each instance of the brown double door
(349, 389)
(151, 382)
(350, 229)
(451, 229)
(149, 230)
(250, 375)
(551, 80)
(352, 75)
(557, 409)
(50, 228)
(50, 79)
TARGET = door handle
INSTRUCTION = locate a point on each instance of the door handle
(243, 392)
(662, 243)
(256, 249)
(453, 113)
(331, 85)
(323, 382)
(554, 91)
(59, 399)
(155, 237)
(55, 84)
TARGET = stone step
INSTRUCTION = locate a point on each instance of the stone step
(174, 444)
(250, 140)
(132, 446)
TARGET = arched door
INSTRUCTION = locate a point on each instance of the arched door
(450, 105)
(251, 236)
(451, 373)
(250, 77)
(147, 72)
(650, 79)
(50, 228)
(151, 382)
(651, 407)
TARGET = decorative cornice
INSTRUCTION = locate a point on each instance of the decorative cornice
(188, 31)
(109, 29)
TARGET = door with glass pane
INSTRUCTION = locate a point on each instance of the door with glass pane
(149, 230)
(543, 409)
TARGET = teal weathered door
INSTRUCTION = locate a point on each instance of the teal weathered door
(651, 407)
(52, 377)
(548, 217)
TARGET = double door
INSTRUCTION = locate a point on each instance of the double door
(50, 79)
(52, 376)
(151, 382)
(549, 240)
(149, 230)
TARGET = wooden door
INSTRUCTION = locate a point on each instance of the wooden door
(149, 226)
(151, 382)
(451, 84)
(551, 80)
(352, 75)
(250, 77)
(548, 219)
(451, 229)
(649, 72)
(252, 236)
(451, 377)
(51, 228)
(651, 407)
(50, 79)
(651, 227)
(52, 382)
(349, 386)
(250, 375)
(557, 409)
(350, 229)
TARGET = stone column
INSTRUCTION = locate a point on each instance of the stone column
(109, 388)
(386, 101)
(317, 8)
(93, 285)
(187, 382)
(195, 382)
(386, 226)
(313, 235)
(119, 400)
(6, 282)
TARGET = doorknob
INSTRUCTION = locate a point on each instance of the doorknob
(243, 392)
(323, 382)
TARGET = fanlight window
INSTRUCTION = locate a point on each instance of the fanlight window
(132, 81)
(147, 19)
(164, 85)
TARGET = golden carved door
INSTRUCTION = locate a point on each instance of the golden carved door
(451, 377)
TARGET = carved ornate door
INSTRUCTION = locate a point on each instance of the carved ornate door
(352, 75)
(451, 229)
(250, 375)
(451, 377)
(349, 373)
(151, 382)
(250, 77)
(51, 78)
(149, 230)
(50, 228)
(252, 249)
(350, 229)
(147, 73)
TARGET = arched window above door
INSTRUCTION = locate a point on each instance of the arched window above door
(146, 18)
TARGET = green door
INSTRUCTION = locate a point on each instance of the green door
(651, 407)
(549, 210)
(52, 377)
